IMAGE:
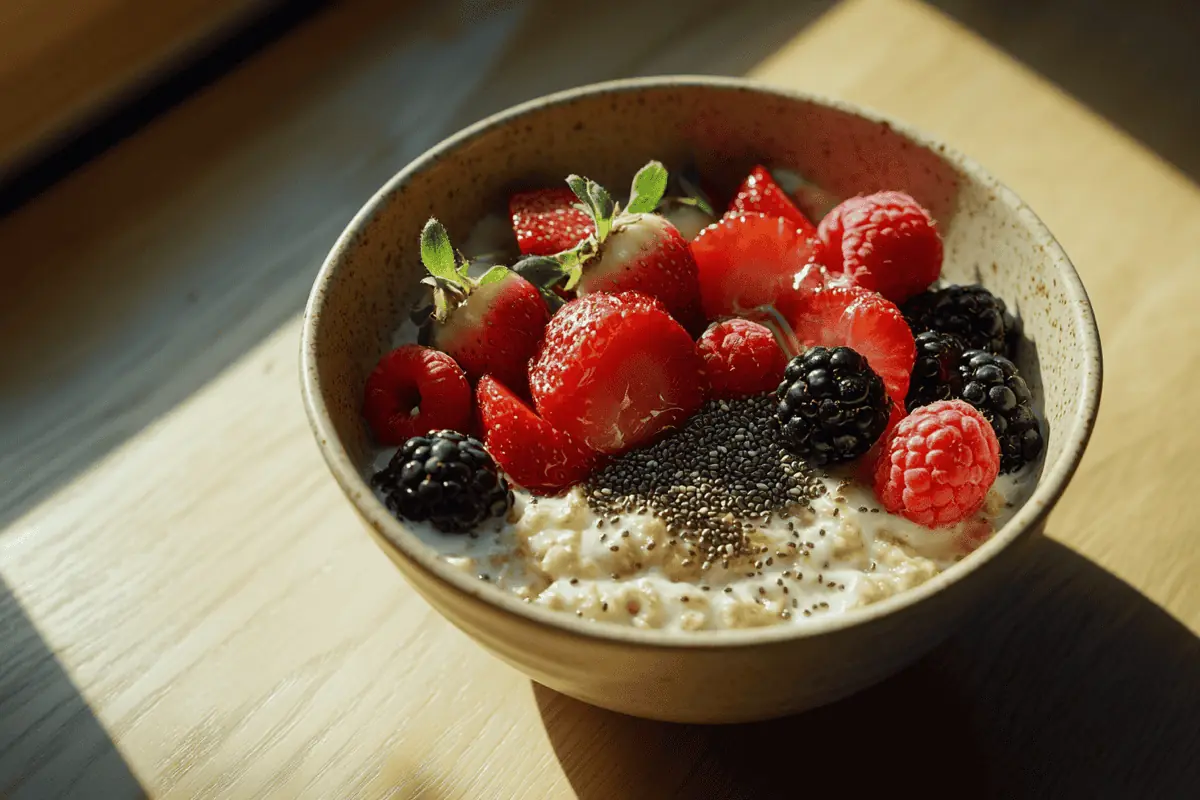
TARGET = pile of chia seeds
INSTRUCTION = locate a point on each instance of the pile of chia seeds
(713, 481)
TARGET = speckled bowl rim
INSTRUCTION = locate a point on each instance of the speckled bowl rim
(1076, 430)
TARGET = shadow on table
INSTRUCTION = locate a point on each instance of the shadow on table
(1072, 684)
(51, 744)
(171, 268)
(1133, 63)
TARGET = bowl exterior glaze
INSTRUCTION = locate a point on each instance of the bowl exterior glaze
(724, 126)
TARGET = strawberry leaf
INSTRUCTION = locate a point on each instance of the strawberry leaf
(541, 271)
(579, 185)
(648, 186)
(693, 192)
(496, 273)
(604, 208)
(571, 263)
(544, 273)
(437, 254)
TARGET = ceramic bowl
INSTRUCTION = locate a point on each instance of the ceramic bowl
(607, 131)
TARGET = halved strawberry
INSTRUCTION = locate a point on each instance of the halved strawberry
(865, 321)
(490, 325)
(547, 221)
(760, 194)
(614, 370)
(632, 249)
(533, 452)
(414, 390)
(750, 260)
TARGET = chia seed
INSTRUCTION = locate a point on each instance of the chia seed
(712, 481)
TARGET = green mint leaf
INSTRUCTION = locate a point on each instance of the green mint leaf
(496, 273)
(437, 254)
(649, 184)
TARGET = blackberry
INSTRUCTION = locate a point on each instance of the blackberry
(993, 385)
(832, 405)
(972, 313)
(935, 374)
(446, 478)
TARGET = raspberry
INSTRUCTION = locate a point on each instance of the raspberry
(414, 390)
(886, 242)
(530, 450)
(741, 358)
(938, 464)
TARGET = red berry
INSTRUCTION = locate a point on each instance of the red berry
(496, 330)
(886, 241)
(646, 254)
(864, 321)
(938, 464)
(614, 370)
(760, 194)
(741, 358)
(750, 260)
(530, 450)
(414, 390)
(546, 221)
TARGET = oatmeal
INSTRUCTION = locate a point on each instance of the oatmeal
(557, 552)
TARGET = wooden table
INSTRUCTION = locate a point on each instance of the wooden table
(188, 608)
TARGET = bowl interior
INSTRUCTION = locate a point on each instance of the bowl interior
(725, 127)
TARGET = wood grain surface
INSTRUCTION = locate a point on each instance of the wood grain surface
(61, 61)
(188, 608)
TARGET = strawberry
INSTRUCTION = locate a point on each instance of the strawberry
(741, 358)
(750, 260)
(862, 320)
(632, 249)
(490, 325)
(530, 450)
(414, 390)
(886, 242)
(813, 201)
(546, 221)
(760, 194)
(614, 370)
